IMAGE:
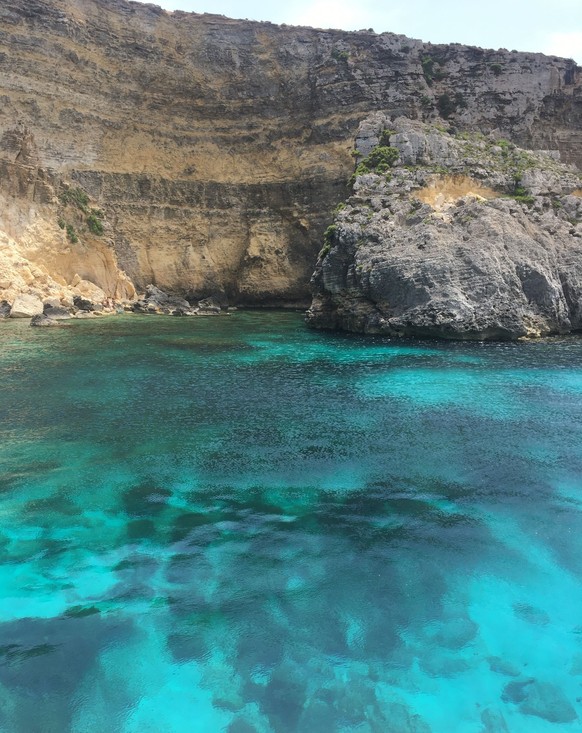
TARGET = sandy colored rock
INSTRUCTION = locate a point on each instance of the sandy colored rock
(35, 255)
(26, 306)
(89, 290)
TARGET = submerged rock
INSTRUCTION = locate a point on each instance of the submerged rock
(516, 692)
(42, 320)
(576, 668)
(493, 722)
(317, 715)
(501, 666)
(448, 237)
(399, 718)
(546, 700)
(443, 665)
(542, 699)
(453, 633)
(531, 614)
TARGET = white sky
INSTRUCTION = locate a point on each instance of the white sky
(553, 27)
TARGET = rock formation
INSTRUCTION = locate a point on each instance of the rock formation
(455, 236)
(47, 247)
(157, 301)
(217, 148)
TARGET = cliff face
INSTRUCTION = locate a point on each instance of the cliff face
(218, 148)
(465, 237)
(47, 249)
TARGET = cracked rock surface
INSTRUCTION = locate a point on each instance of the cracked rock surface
(466, 237)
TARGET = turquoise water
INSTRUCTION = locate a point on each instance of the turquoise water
(236, 524)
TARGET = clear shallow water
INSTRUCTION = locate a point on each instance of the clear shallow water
(236, 524)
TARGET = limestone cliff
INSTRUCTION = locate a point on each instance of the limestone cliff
(47, 247)
(218, 148)
(460, 236)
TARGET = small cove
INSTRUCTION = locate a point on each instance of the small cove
(237, 524)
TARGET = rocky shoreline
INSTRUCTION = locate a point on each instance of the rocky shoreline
(52, 311)
(453, 236)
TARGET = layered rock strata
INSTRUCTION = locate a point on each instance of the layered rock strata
(52, 248)
(218, 148)
(453, 236)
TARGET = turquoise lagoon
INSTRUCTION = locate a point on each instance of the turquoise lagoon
(237, 524)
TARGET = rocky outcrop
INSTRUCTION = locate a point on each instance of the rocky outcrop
(452, 236)
(53, 246)
(160, 302)
(218, 148)
(157, 301)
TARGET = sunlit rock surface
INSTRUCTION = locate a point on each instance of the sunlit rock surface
(466, 236)
(218, 148)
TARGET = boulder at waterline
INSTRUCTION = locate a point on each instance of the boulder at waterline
(56, 312)
(26, 306)
(41, 320)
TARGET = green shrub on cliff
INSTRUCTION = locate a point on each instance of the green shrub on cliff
(519, 192)
(446, 106)
(385, 137)
(380, 160)
(431, 70)
(339, 55)
(328, 238)
(522, 195)
(427, 64)
(94, 222)
(72, 234)
(75, 196)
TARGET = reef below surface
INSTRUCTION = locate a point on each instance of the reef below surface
(240, 524)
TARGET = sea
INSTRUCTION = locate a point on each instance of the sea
(238, 524)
